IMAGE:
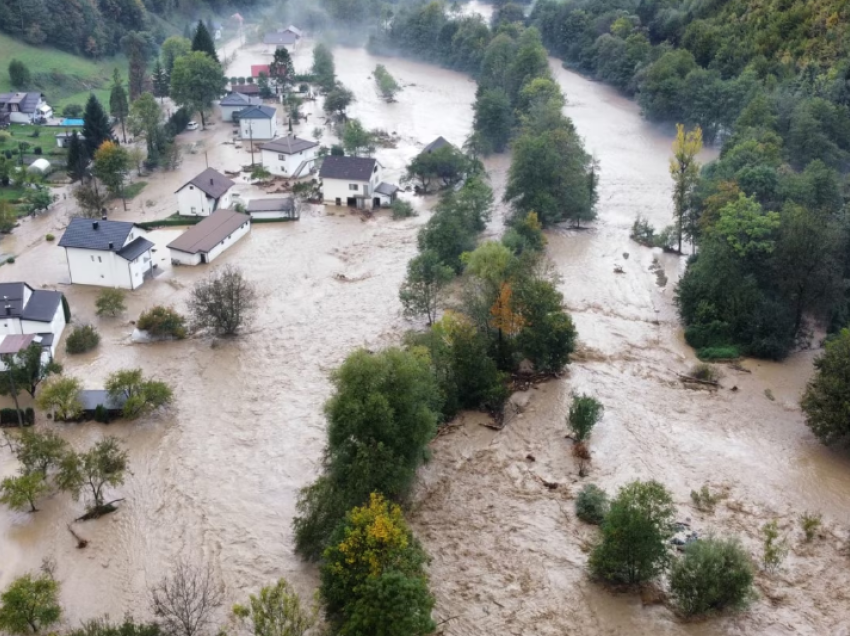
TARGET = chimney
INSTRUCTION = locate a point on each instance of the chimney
(111, 245)
(212, 181)
(8, 310)
(95, 225)
(103, 217)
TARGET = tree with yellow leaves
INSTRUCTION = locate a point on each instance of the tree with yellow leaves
(373, 580)
(505, 319)
(684, 168)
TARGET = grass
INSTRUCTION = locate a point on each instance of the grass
(62, 77)
(133, 190)
(718, 353)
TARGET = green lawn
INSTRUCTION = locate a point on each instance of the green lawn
(62, 77)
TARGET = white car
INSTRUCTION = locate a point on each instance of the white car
(192, 125)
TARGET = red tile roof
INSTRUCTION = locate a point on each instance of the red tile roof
(256, 69)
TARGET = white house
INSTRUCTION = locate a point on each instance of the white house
(236, 102)
(287, 38)
(107, 253)
(355, 182)
(203, 242)
(206, 193)
(289, 156)
(277, 208)
(34, 313)
(258, 123)
(24, 108)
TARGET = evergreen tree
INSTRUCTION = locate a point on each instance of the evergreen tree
(136, 46)
(203, 41)
(96, 128)
(77, 158)
(119, 107)
(160, 80)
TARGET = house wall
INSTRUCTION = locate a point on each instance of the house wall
(55, 326)
(287, 166)
(237, 234)
(9, 325)
(97, 267)
(138, 268)
(227, 112)
(184, 258)
(270, 215)
(193, 202)
(338, 188)
(261, 129)
(17, 117)
(225, 201)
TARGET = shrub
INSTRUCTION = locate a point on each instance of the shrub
(7, 154)
(66, 309)
(643, 232)
(713, 575)
(705, 372)
(810, 523)
(402, 209)
(72, 111)
(728, 352)
(163, 321)
(635, 533)
(10, 260)
(37, 150)
(81, 339)
(101, 414)
(592, 504)
(49, 238)
(110, 302)
(9, 417)
(704, 500)
(585, 412)
(775, 548)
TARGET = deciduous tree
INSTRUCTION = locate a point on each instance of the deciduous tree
(196, 81)
(60, 395)
(111, 163)
(19, 75)
(119, 106)
(21, 492)
(825, 400)
(421, 291)
(224, 302)
(684, 169)
(276, 611)
(30, 604)
(185, 601)
(104, 464)
(141, 395)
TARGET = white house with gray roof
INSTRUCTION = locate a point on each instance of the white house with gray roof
(258, 123)
(23, 108)
(29, 315)
(355, 182)
(107, 253)
(206, 193)
(289, 156)
(236, 102)
(287, 38)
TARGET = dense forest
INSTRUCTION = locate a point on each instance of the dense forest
(94, 28)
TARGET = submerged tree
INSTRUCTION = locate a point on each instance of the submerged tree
(196, 81)
(684, 169)
(421, 291)
(104, 464)
(30, 604)
(276, 611)
(387, 85)
(825, 399)
(224, 302)
(186, 600)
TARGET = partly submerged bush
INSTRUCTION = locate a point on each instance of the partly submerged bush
(163, 322)
(592, 504)
(81, 339)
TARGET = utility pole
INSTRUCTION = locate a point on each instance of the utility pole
(251, 138)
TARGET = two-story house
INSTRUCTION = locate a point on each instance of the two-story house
(355, 182)
(107, 253)
(30, 315)
(206, 193)
(289, 156)
(24, 108)
(258, 123)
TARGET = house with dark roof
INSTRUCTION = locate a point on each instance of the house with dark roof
(206, 193)
(289, 156)
(29, 315)
(273, 208)
(285, 38)
(245, 89)
(236, 102)
(439, 142)
(203, 242)
(24, 108)
(258, 123)
(355, 182)
(107, 253)
(92, 400)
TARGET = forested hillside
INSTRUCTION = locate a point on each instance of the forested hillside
(94, 28)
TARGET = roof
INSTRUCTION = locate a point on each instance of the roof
(96, 235)
(354, 168)
(15, 343)
(294, 30)
(246, 89)
(285, 38)
(27, 102)
(386, 188)
(90, 399)
(439, 142)
(135, 249)
(210, 232)
(40, 164)
(288, 145)
(286, 204)
(256, 69)
(211, 182)
(42, 305)
(240, 99)
(258, 112)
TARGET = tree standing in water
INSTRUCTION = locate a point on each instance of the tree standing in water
(684, 169)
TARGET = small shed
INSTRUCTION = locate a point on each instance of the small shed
(278, 208)
(91, 399)
(203, 242)
(63, 139)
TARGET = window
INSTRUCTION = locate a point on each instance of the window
(193, 209)
(99, 259)
(92, 258)
(282, 157)
(353, 186)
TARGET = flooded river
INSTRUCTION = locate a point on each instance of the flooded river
(215, 479)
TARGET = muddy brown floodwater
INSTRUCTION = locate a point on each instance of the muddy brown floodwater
(215, 479)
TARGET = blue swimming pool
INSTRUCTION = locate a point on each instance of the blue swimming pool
(71, 122)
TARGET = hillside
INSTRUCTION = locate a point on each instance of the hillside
(63, 78)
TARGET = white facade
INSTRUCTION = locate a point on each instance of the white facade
(11, 325)
(179, 257)
(258, 129)
(342, 191)
(295, 165)
(227, 111)
(192, 201)
(106, 269)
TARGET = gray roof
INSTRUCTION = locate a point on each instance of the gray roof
(288, 145)
(439, 142)
(386, 188)
(210, 232)
(246, 89)
(27, 102)
(353, 168)
(211, 182)
(286, 204)
(41, 307)
(92, 398)
(239, 99)
(135, 249)
(96, 235)
(286, 38)
(258, 112)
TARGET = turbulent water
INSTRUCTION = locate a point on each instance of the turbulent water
(215, 480)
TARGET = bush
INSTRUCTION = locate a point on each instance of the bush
(101, 414)
(82, 338)
(713, 575)
(37, 150)
(163, 322)
(775, 548)
(10, 260)
(110, 302)
(402, 209)
(72, 111)
(9, 416)
(635, 533)
(810, 523)
(585, 413)
(49, 238)
(592, 504)
(704, 372)
(718, 353)
(703, 499)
